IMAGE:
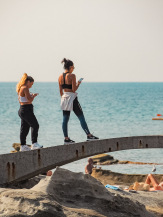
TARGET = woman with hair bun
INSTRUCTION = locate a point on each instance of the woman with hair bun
(69, 100)
(26, 114)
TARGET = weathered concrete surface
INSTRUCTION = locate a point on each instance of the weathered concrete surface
(23, 165)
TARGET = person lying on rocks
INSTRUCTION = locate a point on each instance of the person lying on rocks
(89, 166)
(156, 185)
(146, 186)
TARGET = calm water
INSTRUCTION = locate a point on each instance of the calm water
(111, 110)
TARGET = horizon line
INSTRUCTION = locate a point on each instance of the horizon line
(91, 81)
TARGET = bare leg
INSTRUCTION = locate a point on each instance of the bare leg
(151, 179)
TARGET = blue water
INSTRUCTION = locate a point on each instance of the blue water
(111, 110)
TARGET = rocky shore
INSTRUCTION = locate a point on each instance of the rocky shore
(105, 159)
(113, 178)
(153, 201)
(68, 194)
(73, 194)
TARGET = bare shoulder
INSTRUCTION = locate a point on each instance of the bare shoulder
(60, 78)
(72, 75)
(23, 88)
(26, 90)
(86, 165)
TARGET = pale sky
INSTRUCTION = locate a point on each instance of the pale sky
(108, 40)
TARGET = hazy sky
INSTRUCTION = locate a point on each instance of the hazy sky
(108, 40)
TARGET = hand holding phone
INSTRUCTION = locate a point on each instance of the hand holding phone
(35, 94)
(80, 80)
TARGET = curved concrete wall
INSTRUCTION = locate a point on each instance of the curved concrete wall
(23, 165)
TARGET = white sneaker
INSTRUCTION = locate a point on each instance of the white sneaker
(25, 148)
(36, 146)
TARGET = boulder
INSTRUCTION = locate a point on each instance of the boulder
(23, 202)
(68, 194)
(114, 178)
(101, 158)
(78, 190)
(16, 146)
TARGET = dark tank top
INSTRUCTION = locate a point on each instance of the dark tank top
(66, 86)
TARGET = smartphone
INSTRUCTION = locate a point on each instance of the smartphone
(80, 80)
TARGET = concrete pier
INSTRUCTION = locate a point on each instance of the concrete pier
(19, 166)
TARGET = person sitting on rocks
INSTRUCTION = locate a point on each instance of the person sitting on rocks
(89, 166)
(156, 185)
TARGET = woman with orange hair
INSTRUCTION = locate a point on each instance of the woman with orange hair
(26, 114)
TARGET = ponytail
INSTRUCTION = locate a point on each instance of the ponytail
(23, 80)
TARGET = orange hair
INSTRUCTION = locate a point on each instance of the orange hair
(21, 82)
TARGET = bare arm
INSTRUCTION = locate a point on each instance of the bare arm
(74, 85)
(86, 169)
(60, 86)
(28, 95)
(161, 184)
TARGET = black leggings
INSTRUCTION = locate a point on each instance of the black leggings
(79, 113)
(28, 120)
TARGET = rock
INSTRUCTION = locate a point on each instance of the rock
(16, 146)
(108, 162)
(68, 194)
(132, 162)
(14, 203)
(77, 190)
(153, 201)
(101, 158)
(105, 159)
(64, 183)
(113, 178)
(29, 183)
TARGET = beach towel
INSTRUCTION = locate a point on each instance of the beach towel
(112, 187)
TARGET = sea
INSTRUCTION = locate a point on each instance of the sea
(111, 110)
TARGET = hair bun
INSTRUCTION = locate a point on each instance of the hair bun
(64, 60)
(67, 63)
